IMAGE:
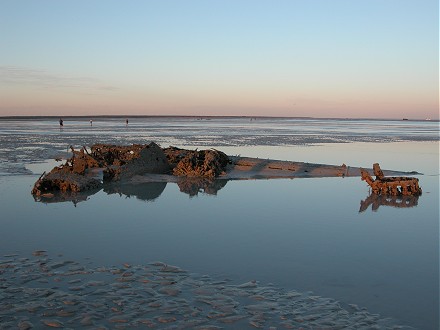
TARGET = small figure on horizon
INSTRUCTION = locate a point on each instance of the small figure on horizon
(61, 122)
(91, 122)
(126, 122)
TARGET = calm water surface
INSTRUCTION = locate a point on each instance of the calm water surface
(302, 234)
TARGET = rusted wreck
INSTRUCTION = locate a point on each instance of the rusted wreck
(69, 176)
(118, 163)
(394, 186)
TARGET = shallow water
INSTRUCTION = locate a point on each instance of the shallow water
(301, 234)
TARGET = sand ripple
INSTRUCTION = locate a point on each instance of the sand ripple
(49, 292)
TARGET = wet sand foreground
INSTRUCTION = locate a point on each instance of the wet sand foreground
(41, 291)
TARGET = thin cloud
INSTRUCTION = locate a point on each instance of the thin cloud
(13, 75)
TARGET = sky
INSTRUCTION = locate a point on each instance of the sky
(314, 58)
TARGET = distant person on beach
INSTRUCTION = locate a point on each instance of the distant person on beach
(91, 122)
(61, 122)
(126, 122)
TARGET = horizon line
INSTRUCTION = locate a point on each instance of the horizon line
(207, 116)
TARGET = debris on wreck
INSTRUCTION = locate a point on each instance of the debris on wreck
(394, 186)
(111, 154)
(57, 180)
(80, 161)
(204, 163)
(124, 162)
(68, 177)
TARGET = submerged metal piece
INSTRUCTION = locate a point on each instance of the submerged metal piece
(394, 186)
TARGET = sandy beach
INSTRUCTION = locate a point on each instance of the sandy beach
(70, 294)
(290, 215)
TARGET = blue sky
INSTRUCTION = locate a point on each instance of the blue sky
(317, 58)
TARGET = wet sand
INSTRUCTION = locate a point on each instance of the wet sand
(41, 291)
(30, 143)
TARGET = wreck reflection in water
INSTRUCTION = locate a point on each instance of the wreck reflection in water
(67, 196)
(395, 201)
(146, 191)
(192, 186)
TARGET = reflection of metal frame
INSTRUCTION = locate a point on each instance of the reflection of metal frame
(147, 191)
(193, 185)
(395, 201)
(65, 196)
